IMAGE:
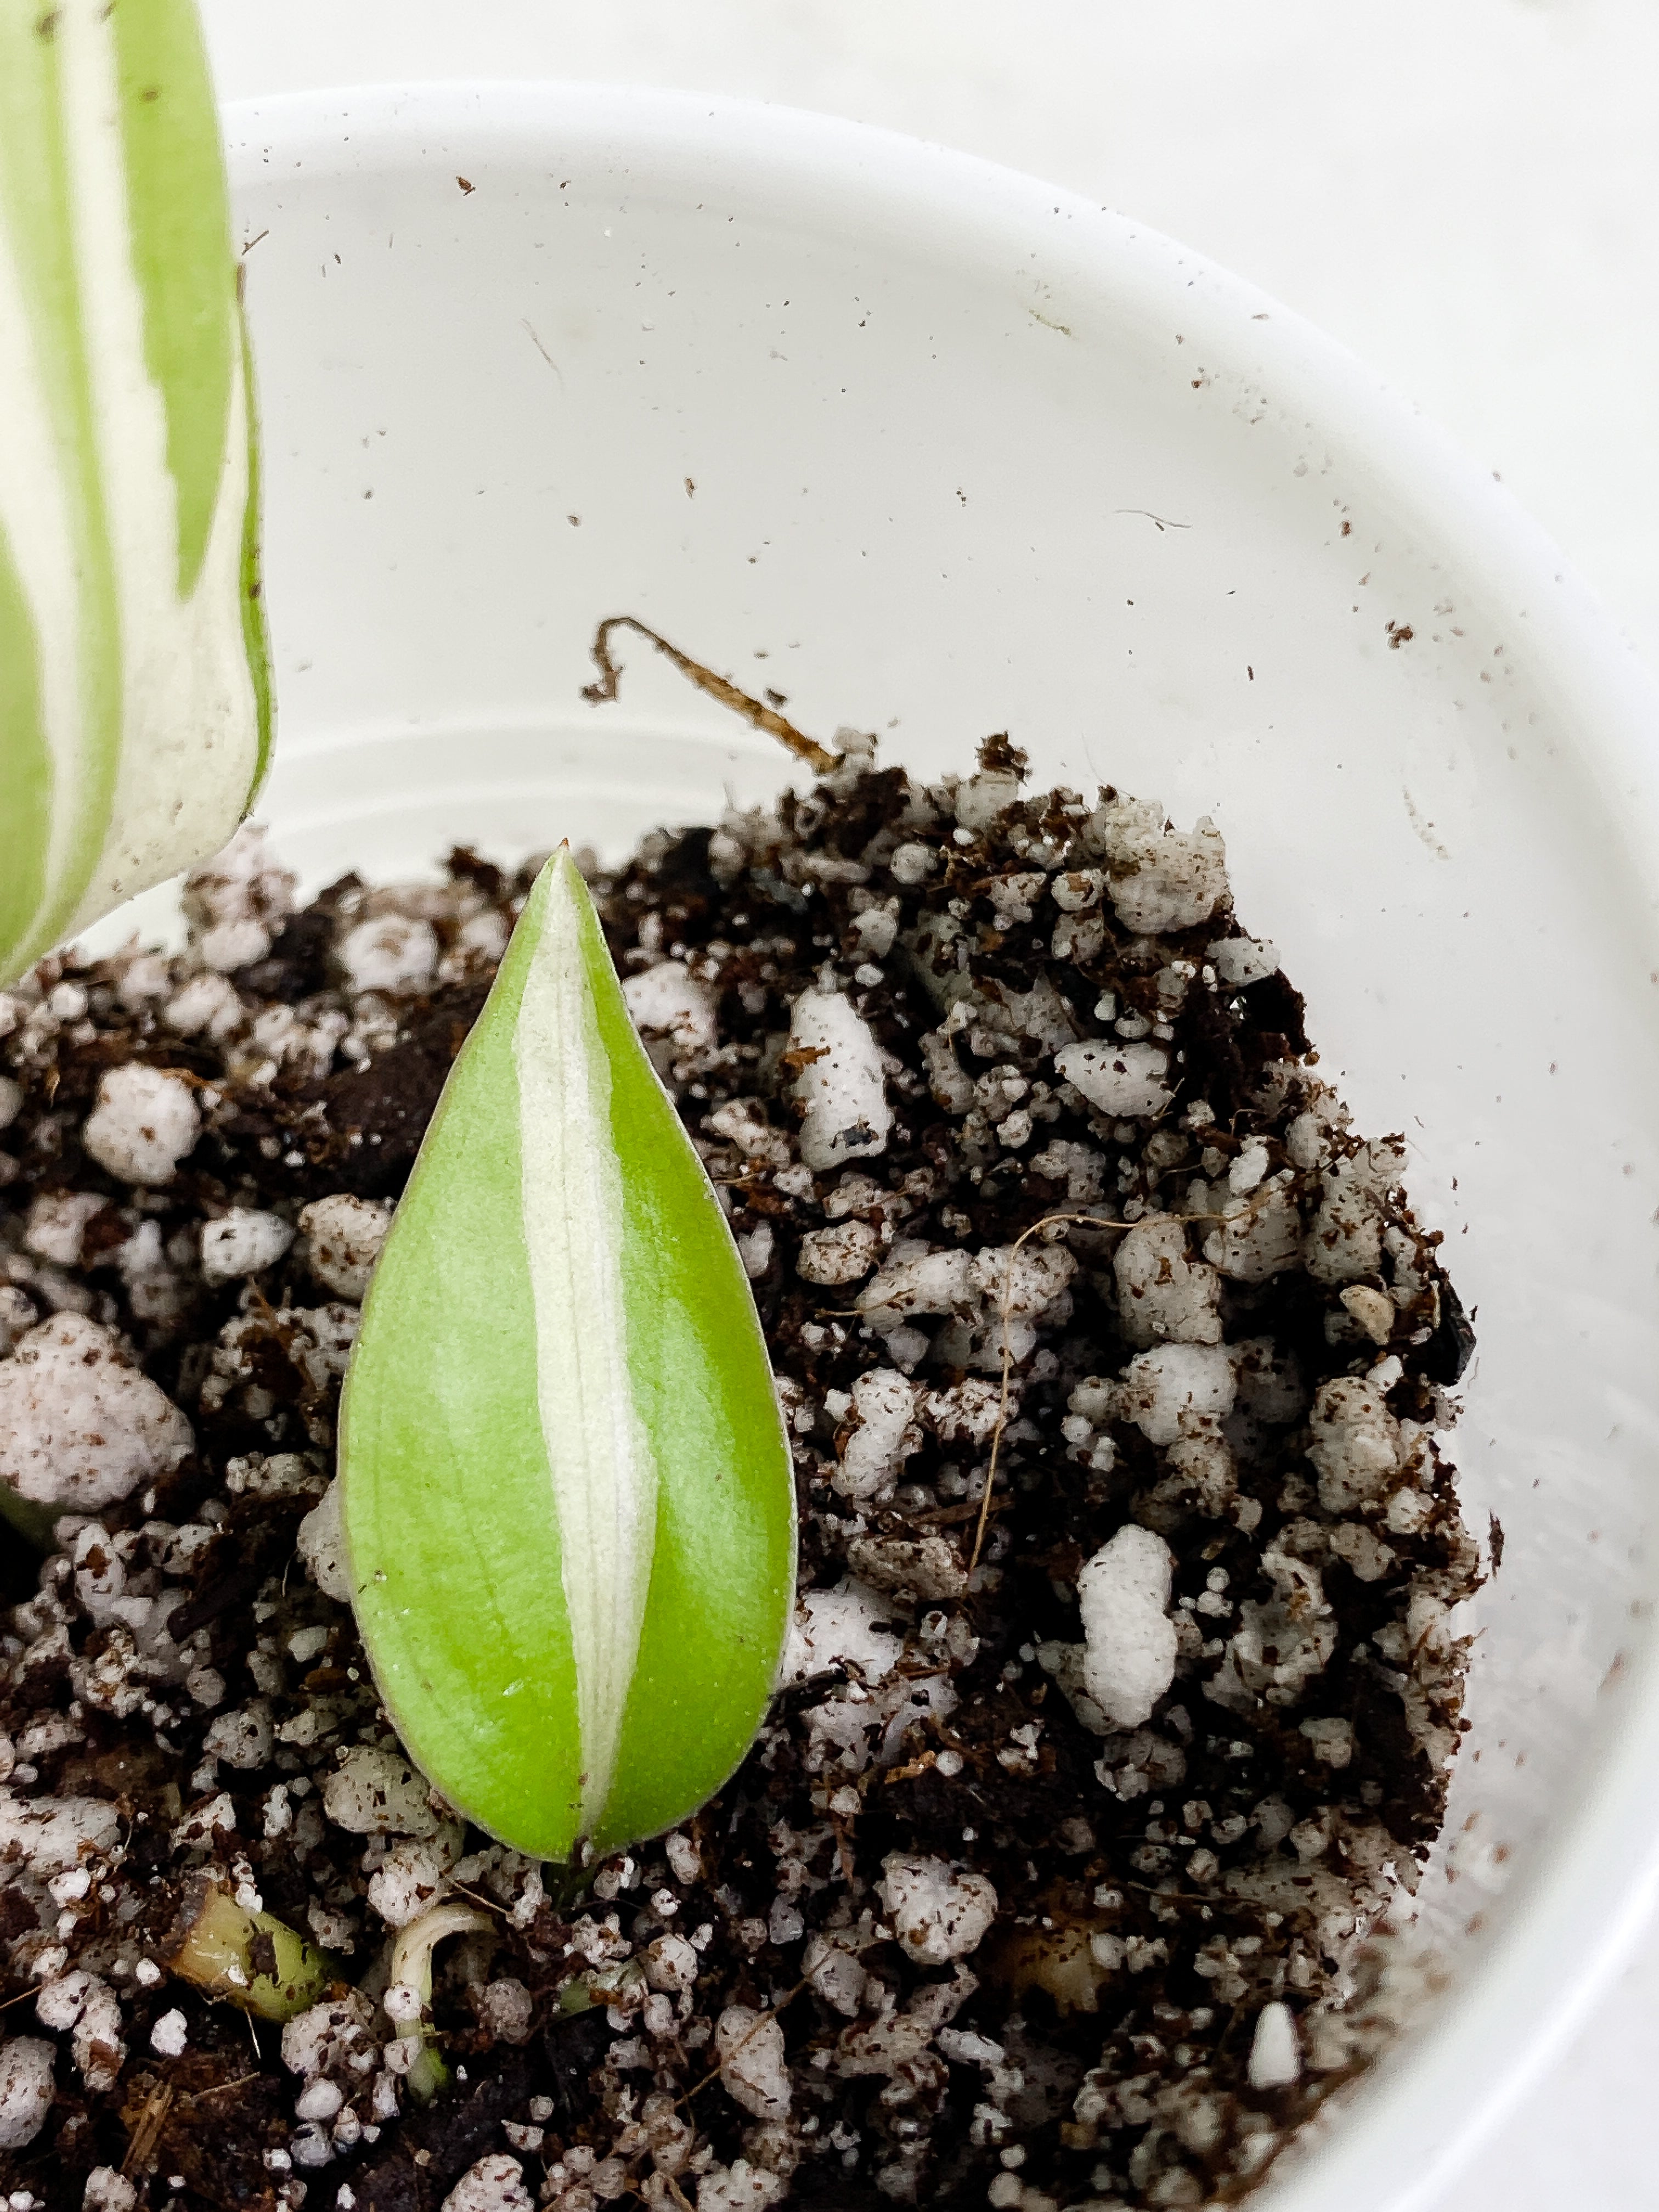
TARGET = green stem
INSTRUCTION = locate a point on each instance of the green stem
(243, 1958)
(34, 1523)
(412, 1967)
(565, 1881)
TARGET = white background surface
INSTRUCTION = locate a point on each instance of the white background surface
(1464, 191)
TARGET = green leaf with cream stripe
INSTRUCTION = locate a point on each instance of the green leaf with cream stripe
(135, 707)
(566, 1487)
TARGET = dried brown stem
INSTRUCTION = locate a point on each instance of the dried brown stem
(756, 712)
(148, 2132)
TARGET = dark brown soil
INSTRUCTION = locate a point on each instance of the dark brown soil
(1157, 1886)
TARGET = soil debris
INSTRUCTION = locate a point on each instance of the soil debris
(1125, 1679)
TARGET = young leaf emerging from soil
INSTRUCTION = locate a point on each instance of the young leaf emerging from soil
(567, 1491)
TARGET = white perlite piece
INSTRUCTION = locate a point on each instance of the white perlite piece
(144, 1123)
(485, 932)
(843, 1253)
(1275, 2058)
(754, 1249)
(1260, 1236)
(749, 2046)
(1362, 1550)
(952, 1086)
(232, 901)
(669, 1001)
(938, 1912)
(496, 2183)
(321, 1545)
(1077, 890)
(984, 795)
(86, 2008)
(327, 2037)
(57, 1225)
(391, 952)
(26, 2063)
(1129, 1642)
(1126, 1081)
(1355, 1444)
(886, 1435)
(79, 1426)
(321, 2100)
(1332, 1740)
(376, 1793)
(834, 1972)
(170, 2034)
(108, 2190)
(968, 1411)
(207, 1004)
(242, 1738)
(215, 1816)
(917, 1281)
(343, 1237)
(891, 2043)
(1164, 1296)
(740, 2188)
(505, 2009)
(411, 1875)
(52, 1833)
(1372, 1309)
(244, 1241)
(1345, 1238)
(843, 1091)
(835, 1627)
(1020, 1285)
(1239, 961)
(927, 1566)
(684, 1859)
(670, 1964)
(1162, 879)
(1173, 1391)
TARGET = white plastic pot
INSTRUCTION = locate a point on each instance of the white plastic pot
(940, 450)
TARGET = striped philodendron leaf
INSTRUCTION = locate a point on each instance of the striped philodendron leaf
(135, 714)
(565, 1484)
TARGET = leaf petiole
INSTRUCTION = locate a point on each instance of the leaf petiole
(241, 1958)
(409, 1993)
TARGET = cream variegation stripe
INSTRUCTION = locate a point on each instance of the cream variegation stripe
(602, 1472)
(190, 733)
(190, 714)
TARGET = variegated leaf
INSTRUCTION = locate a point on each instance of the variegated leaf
(134, 701)
(567, 1491)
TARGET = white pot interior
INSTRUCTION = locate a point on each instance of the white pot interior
(941, 451)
